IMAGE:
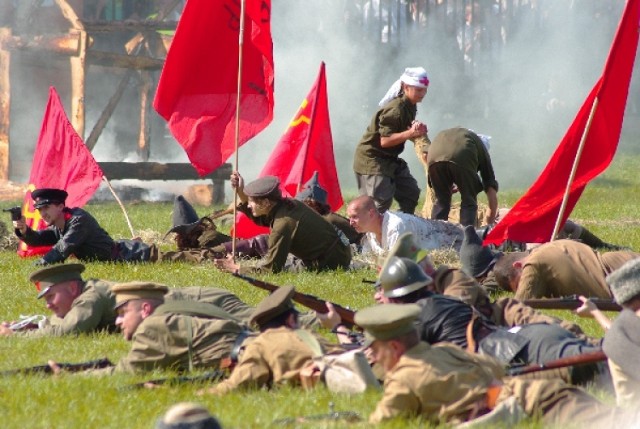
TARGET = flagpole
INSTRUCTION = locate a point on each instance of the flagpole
(574, 168)
(311, 125)
(237, 137)
(126, 216)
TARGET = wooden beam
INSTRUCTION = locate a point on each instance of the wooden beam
(65, 44)
(141, 26)
(144, 135)
(70, 14)
(112, 59)
(108, 110)
(5, 104)
(159, 171)
(78, 75)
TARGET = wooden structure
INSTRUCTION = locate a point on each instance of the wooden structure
(137, 59)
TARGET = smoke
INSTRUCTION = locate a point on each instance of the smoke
(522, 82)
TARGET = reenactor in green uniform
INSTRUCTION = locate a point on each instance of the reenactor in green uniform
(281, 350)
(447, 385)
(82, 306)
(295, 229)
(380, 172)
(179, 335)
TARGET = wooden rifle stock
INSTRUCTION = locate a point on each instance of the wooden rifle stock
(571, 303)
(307, 300)
(581, 359)
(70, 367)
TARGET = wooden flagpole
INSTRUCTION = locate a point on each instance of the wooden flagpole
(576, 161)
(237, 137)
(126, 216)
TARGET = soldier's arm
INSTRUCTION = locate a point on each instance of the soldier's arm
(279, 245)
(531, 284)
(398, 401)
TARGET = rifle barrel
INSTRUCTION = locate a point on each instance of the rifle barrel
(570, 304)
(70, 367)
(581, 359)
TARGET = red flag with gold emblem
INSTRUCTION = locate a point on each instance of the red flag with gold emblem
(60, 160)
(599, 122)
(306, 147)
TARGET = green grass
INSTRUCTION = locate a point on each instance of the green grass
(607, 207)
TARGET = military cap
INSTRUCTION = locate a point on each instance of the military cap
(125, 292)
(387, 321)
(312, 190)
(273, 306)
(45, 196)
(187, 415)
(262, 187)
(625, 281)
(54, 274)
(475, 258)
(184, 216)
(402, 276)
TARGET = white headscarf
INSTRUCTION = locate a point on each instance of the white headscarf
(414, 76)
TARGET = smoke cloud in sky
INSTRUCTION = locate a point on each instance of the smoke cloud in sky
(523, 84)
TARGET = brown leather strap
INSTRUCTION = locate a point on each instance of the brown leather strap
(471, 341)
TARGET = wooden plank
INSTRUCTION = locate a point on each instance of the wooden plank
(78, 75)
(70, 14)
(5, 104)
(160, 171)
(102, 26)
(112, 59)
(144, 134)
(65, 44)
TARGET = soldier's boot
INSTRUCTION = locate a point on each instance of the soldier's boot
(591, 240)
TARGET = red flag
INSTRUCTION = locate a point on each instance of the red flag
(60, 160)
(305, 147)
(532, 218)
(197, 89)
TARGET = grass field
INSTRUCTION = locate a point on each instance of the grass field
(608, 207)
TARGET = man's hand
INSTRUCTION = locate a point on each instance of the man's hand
(55, 368)
(21, 225)
(587, 308)
(330, 319)
(237, 183)
(227, 264)
(418, 129)
(4, 329)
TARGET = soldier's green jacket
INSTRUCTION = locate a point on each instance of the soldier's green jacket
(298, 229)
(370, 157)
(94, 309)
(445, 384)
(275, 357)
(180, 342)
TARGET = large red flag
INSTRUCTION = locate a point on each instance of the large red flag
(60, 160)
(532, 218)
(197, 90)
(305, 147)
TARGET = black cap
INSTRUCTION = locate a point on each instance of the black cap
(262, 187)
(45, 196)
(476, 259)
(184, 216)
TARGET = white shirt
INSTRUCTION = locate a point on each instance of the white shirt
(428, 234)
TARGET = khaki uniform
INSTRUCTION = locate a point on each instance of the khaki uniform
(94, 309)
(275, 357)
(301, 231)
(454, 282)
(444, 384)
(180, 342)
(566, 267)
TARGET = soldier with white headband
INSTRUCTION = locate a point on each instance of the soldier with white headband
(380, 172)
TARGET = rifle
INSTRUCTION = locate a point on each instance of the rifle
(307, 300)
(16, 212)
(571, 303)
(212, 376)
(581, 359)
(70, 367)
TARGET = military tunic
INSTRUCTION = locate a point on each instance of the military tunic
(566, 267)
(92, 311)
(85, 239)
(298, 229)
(275, 357)
(444, 384)
(165, 340)
(456, 156)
